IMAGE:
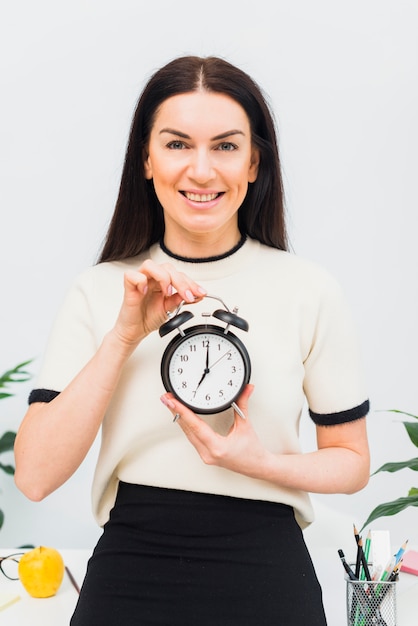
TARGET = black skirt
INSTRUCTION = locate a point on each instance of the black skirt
(178, 558)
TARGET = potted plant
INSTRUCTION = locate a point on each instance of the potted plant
(16, 375)
(396, 506)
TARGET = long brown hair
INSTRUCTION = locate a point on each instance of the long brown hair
(138, 220)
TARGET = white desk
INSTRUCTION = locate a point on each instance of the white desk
(56, 611)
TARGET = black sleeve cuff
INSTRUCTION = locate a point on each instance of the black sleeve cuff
(331, 419)
(42, 395)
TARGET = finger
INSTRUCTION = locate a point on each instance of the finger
(178, 410)
(241, 406)
(169, 279)
(196, 429)
(135, 281)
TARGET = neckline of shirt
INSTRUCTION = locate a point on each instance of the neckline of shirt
(210, 259)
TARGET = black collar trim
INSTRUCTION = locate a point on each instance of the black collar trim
(209, 259)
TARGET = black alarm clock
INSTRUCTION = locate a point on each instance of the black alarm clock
(206, 366)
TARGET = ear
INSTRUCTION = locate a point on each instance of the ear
(147, 166)
(255, 162)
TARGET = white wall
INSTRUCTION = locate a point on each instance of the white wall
(342, 78)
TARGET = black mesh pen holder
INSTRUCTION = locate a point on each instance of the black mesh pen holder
(371, 603)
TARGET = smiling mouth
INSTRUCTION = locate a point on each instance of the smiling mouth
(201, 197)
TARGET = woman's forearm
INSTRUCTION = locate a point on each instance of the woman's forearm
(330, 470)
(341, 463)
(55, 437)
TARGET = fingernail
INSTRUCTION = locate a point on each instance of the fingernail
(202, 291)
(170, 290)
(167, 402)
(189, 295)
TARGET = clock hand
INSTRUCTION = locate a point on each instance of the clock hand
(220, 359)
(205, 371)
(207, 359)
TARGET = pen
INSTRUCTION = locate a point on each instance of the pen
(346, 566)
(395, 573)
(73, 580)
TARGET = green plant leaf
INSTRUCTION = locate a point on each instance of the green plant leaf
(7, 441)
(391, 508)
(412, 430)
(1, 518)
(413, 491)
(398, 465)
(5, 395)
(9, 469)
(16, 375)
(401, 412)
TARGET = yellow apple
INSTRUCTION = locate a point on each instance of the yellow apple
(41, 571)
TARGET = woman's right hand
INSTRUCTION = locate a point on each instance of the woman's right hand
(150, 292)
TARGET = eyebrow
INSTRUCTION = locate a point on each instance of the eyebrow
(224, 135)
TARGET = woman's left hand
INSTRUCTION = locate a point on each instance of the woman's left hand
(341, 463)
(239, 451)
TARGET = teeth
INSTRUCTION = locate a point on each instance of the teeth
(197, 197)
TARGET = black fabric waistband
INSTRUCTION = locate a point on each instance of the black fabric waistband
(129, 493)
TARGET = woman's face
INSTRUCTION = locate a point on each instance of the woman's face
(201, 160)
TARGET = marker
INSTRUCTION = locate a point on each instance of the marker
(346, 566)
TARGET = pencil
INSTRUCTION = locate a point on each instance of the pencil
(400, 552)
(73, 580)
(359, 557)
(365, 566)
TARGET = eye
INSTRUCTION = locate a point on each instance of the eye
(226, 146)
(176, 145)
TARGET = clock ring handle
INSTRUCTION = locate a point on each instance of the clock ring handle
(231, 319)
(173, 323)
(228, 316)
(225, 315)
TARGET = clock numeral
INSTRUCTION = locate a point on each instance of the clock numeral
(229, 383)
(206, 343)
(207, 397)
(229, 356)
(192, 348)
(234, 369)
(221, 393)
(184, 385)
(180, 370)
(184, 358)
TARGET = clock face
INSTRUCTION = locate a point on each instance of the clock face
(206, 369)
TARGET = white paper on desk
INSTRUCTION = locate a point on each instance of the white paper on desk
(380, 550)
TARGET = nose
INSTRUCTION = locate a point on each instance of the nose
(201, 167)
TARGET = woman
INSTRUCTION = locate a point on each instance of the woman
(202, 518)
